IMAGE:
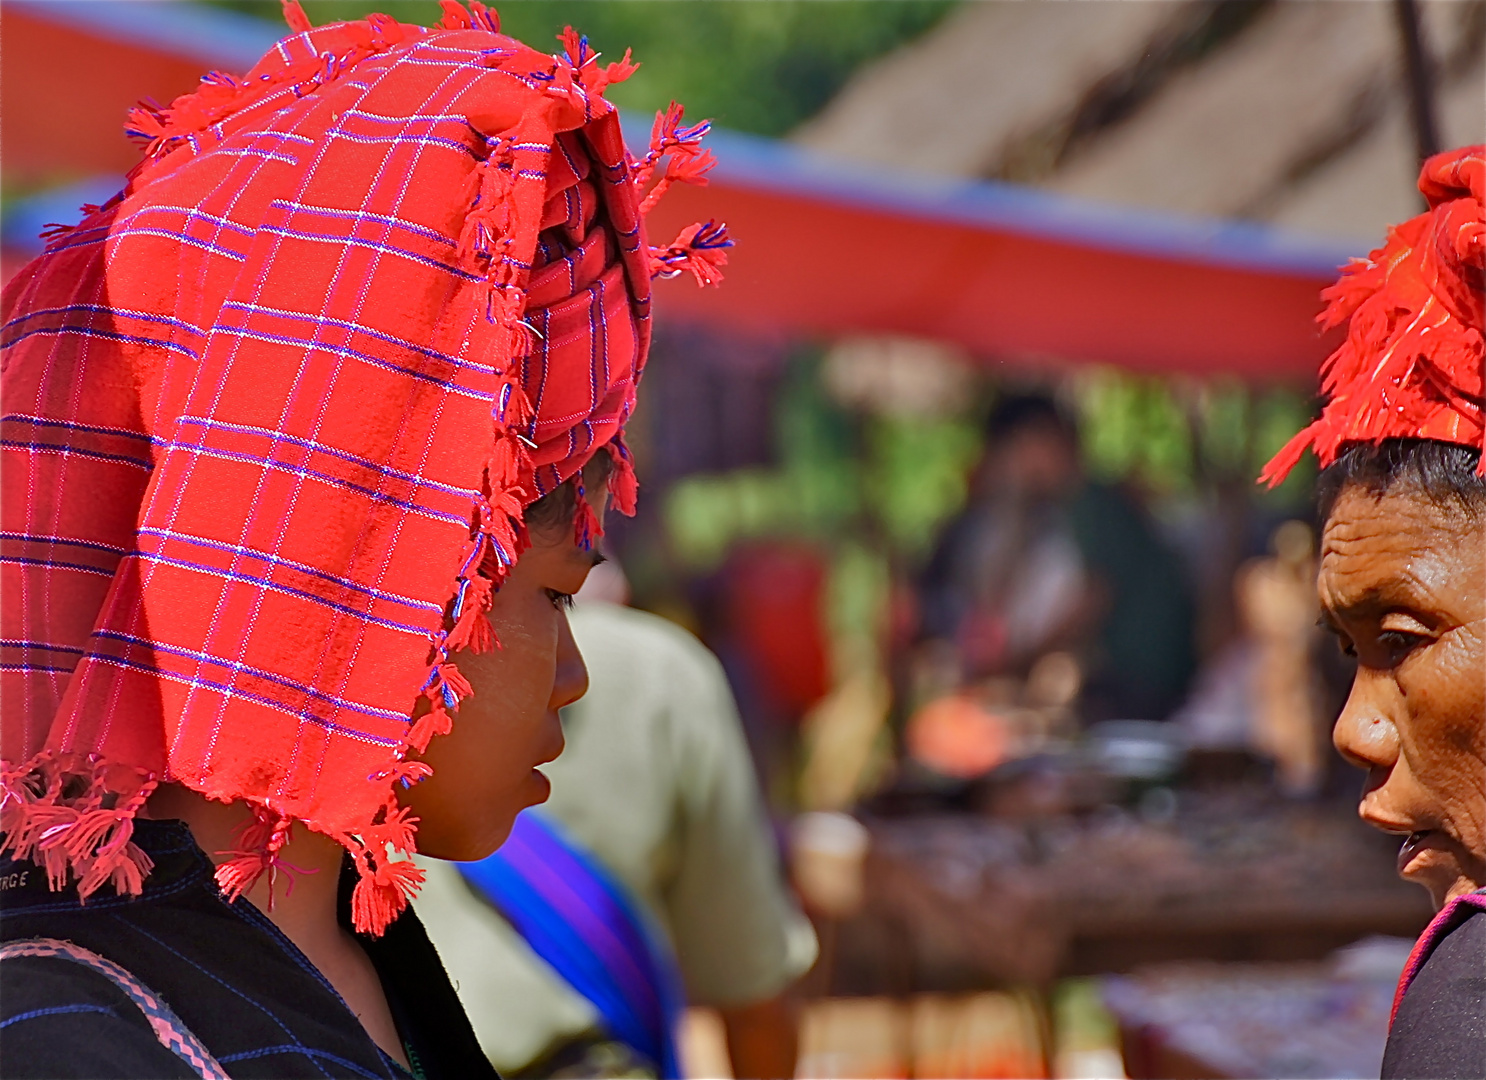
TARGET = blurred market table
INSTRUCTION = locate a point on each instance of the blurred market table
(963, 900)
(1298, 1020)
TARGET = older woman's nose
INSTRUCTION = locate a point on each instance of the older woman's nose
(570, 680)
(1364, 733)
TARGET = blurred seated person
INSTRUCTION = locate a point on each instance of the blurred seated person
(649, 880)
(1044, 559)
(1402, 584)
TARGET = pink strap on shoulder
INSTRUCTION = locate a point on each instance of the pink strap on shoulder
(1449, 917)
(174, 1035)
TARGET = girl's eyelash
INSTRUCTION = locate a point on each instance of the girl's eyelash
(560, 600)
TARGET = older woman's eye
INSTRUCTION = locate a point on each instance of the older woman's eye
(1399, 643)
(1343, 642)
(560, 600)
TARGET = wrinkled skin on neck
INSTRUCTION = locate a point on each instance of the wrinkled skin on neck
(1403, 585)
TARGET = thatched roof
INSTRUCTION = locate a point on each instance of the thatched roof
(1372, 182)
(954, 101)
(1293, 111)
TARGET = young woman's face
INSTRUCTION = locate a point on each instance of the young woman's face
(485, 769)
(1403, 583)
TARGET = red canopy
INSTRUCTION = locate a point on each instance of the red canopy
(1011, 274)
(70, 71)
(824, 248)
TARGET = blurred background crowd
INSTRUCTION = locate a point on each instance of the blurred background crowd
(956, 480)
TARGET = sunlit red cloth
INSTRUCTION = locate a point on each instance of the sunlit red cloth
(273, 415)
(1413, 365)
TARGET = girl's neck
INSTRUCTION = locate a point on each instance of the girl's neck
(300, 899)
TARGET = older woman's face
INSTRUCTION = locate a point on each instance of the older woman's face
(1403, 583)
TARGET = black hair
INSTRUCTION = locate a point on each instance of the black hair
(557, 507)
(1445, 473)
(1017, 412)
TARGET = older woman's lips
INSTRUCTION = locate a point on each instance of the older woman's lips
(1413, 844)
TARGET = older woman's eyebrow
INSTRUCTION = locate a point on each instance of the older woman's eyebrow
(1365, 603)
(1376, 601)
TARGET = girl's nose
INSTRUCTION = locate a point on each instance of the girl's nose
(570, 679)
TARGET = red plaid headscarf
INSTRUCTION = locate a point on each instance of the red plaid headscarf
(272, 418)
(1413, 365)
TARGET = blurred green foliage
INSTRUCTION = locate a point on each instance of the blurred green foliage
(916, 476)
(893, 479)
(753, 65)
(1133, 426)
(1174, 435)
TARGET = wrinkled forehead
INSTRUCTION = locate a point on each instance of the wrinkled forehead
(1401, 548)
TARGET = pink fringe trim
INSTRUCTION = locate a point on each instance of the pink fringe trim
(73, 816)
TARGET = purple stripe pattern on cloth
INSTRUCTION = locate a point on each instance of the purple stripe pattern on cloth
(581, 921)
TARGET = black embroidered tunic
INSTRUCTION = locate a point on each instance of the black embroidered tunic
(1440, 1029)
(243, 988)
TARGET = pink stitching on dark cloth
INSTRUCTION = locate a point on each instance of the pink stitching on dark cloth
(173, 1034)
(1450, 916)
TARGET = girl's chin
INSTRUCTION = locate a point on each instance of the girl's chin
(468, 841)
(539, 787)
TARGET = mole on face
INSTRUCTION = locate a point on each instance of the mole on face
(1403, 585)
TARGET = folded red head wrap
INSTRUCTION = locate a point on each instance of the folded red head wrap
(1413, 365)
(273, 416)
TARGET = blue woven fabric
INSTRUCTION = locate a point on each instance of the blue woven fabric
(581, 921)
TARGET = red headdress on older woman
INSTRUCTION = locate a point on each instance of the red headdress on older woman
(1413, 365)
(272, 417)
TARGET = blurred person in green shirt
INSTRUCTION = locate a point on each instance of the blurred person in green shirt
(1044, 559)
